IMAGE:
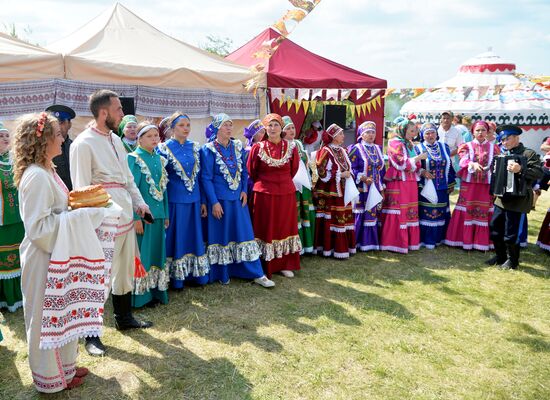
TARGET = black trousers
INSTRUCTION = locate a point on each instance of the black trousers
(506, 225)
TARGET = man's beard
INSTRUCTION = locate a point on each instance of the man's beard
(111, 123)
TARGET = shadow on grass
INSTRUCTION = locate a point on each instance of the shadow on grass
(533, 255)
(484, 310)
(248, 308)
(179, 371)
(537, 344)
(8, 372)
(16, 322)
(366, 301)
(532, 338)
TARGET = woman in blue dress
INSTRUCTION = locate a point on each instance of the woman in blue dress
(185, 251)
(232, 250)
(434, 217)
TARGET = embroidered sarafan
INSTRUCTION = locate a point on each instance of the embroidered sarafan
(156, 193)
(188, 181)
(265, 154)
(233, 181)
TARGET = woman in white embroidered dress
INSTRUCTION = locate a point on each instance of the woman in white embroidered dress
(43, 197)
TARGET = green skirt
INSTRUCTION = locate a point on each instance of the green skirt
(10, 266)
(152, 248)
(306, 219)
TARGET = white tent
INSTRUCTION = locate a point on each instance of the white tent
(21, 61)
(27, 75)
(119, 47)
(486, 87)
(119, 51)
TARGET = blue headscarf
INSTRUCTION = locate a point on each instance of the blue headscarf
(212, 129)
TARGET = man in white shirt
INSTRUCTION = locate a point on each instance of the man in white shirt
(448, 133)
(98, 156)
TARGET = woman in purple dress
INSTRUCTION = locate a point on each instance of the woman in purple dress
(367, 164)
(253, 134)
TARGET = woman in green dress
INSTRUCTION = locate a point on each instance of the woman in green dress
(11, 230)
(152, 278)
(304, 200)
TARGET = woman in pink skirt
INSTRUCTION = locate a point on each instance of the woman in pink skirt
(469, 226)
(400, 229)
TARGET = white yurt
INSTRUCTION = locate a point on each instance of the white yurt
(487, 87)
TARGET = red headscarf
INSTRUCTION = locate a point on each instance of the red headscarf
(268, 119)
(272, 117)
(479, 122)
(330, 133)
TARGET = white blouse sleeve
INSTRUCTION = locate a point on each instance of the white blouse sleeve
(36, 204)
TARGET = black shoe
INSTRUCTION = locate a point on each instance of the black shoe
(124, 319)
(513, 251)
(508, 264)
(129, 322)
(153, 303)
(496, 260)
(94, 347)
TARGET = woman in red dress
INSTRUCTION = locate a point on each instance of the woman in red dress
(272, 163)
(335, 224)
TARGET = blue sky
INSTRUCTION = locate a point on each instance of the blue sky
(410, 43)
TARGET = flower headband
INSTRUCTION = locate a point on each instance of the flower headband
(40, 125)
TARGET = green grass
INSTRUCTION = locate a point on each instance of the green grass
(428, 325)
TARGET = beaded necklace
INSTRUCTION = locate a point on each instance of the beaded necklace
(232, 181)
(340, 157)
(433, 151)
(265, 153)
(372, 153)
(230, 161)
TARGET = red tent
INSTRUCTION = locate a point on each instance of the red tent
(292, 66)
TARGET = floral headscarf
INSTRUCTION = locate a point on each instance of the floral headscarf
(212, 129)
(401, 124)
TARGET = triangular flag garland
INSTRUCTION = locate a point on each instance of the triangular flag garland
(358, 109)
(306, 106)
(301, 97)
(313, 105)
(289, 104)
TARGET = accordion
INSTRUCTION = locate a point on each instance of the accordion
(505, 183)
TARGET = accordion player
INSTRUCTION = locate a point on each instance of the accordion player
(505, 183)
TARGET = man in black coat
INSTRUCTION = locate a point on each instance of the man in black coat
(511, 211)
(64, 115)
